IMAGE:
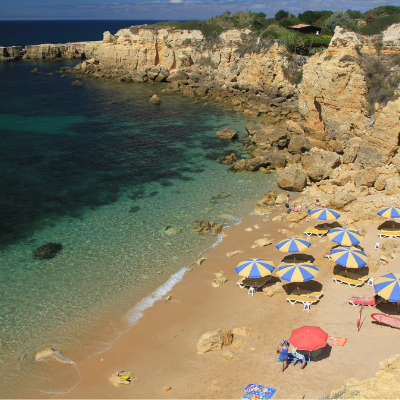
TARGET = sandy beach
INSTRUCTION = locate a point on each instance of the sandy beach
(161, 348)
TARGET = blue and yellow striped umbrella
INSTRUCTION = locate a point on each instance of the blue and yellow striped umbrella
(293, 245)
(349, 257)
(390, 212)
(297, 272)
(345, 236)
(388, 287)
(325, 214)
(255, 268)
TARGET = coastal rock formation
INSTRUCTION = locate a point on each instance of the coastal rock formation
(333, 103)
(214, 341)
(292, 178)
(47, 251)
(45, 353)
(227, 133)
(268, 198)
(384, 385)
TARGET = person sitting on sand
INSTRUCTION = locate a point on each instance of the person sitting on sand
(318, 203)
(283, 351)
(299, 356)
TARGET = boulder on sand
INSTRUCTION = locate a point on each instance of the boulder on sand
(214, 341)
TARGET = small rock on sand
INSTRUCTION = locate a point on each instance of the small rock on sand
(262, 242)
(229, 355)
(234, 253)
(166, 388)
(248, 229)
(243, 331)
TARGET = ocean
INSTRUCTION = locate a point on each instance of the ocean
(119, 183)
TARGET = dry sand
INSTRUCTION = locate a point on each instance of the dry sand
(161, 348)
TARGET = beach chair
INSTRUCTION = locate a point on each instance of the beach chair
(306, 301)
(369, 301)
(355, 275)
(307, 293)
(348, 281)
(385, 233)
(240, 284)
(316, 231)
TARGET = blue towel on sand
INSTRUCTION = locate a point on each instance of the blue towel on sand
(258, 392)
(291, 358)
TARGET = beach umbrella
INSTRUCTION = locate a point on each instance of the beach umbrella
(308, 338)
(388, 287)
(297, 272)
(325, 214)
(345, 236)
(255, 268)
(349, 256)
(293, 245)
(390, 212)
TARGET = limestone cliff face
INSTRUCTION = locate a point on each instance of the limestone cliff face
(333, 103)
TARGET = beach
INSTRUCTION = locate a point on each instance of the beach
(161, 348)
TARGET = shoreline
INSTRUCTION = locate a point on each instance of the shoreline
(160, 348)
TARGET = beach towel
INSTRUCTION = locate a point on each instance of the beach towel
(336, 341)
(258, 392)
(292, 357)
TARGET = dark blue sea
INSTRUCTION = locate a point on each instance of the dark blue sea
(117, 181)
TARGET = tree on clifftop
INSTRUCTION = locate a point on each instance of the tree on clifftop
(281, 14)
(339, 18)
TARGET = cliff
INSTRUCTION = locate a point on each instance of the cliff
(333, 101)
(385, 384)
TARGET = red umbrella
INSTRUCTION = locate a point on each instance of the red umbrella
(308, 338)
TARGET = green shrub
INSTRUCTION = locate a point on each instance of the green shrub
(379, 25)
(347, 57)
(293, 74)
(271, 34)
(381, 83)
(338, 18)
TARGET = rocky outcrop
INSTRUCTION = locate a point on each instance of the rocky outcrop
(227, 133)
(333, 102)
(384, 385)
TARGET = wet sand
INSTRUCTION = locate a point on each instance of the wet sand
(161, 348)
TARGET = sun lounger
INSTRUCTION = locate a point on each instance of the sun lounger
(354, 275)
(369, 301)
(316, 231)
(306, 293)
(306, 301)
(349, 281)
(386, 233)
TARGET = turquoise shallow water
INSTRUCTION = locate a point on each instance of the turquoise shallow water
(102, 171)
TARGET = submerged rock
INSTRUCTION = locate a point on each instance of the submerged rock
(47, 251)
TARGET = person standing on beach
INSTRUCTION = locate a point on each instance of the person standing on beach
(283, 351)
(287, 204)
